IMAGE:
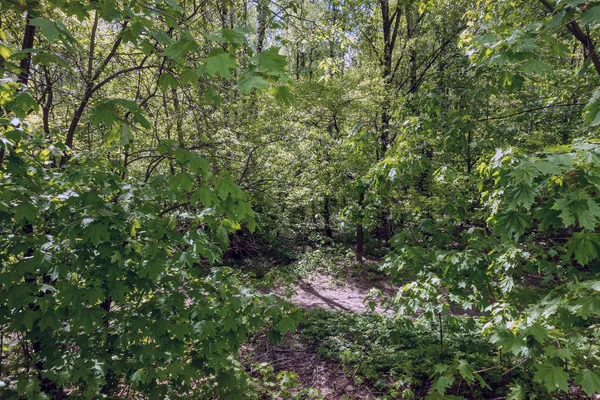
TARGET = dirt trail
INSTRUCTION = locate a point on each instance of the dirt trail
(321, 291)
(295, 354)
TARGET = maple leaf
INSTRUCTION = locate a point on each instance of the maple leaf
(521, 195)
(552, 377)
(271, 63)
(250, 82)
(578, 206)
(513, 224)
(26, 212)
(96, 232)
(589, 381)
(220, 62)
(584, 246)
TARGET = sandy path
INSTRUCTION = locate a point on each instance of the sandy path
(321, 292)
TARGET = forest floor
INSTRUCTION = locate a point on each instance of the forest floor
(325, 291)
(312, 370)
(334, 289)
(342, 350)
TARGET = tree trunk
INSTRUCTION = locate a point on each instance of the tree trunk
(327, 217)
(359, 230)
(386, 73)
(261, 24)
(25, 64)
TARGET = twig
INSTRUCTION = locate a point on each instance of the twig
(516, 365)
(527, 111)
(487, 369)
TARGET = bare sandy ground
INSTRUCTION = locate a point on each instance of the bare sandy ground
(321, 291)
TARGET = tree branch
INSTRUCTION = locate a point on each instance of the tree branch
(583, 38)
(527, 111)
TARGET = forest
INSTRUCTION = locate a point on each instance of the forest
(299, 199)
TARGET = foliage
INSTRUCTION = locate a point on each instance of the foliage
(399, 357)
(280, 385)
(110, 291)
(110, 281)
(145, 144)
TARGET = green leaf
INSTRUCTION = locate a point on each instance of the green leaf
(589, 381)
(48, 28)
(188, 76)
(591, 15)
(105, 113)
(516, 392)
(26, 212)
(139, 118)
(205, 329)
(538, 331)
(548, 168)
(443, 383)
(152, 269)
(466, 371)
(28, 317)
(162, 37)
(591, 112)
(220, 62)
(222, 236)
(251, 82)
(96, 232)
(525, 172)
(512, 224)
(206, 196)
(282, 94)
(138, 378)
(50, 321)
(590, 306)
(584, 246)
(521, 195)
(5, 52)
(508, 80)
(235, 35)
(270, 62)
(23, 104)
(558, 352)
(180, 48)
(227, 35)
(224, 188)
(578, 206)
(509, 341)
(536, 67)
(251, 224)
(547, 217)
(124, 134)
(552, 377)
(186, 258)
(182, 180)
(556, 20)
(76, 8)
(175, 6)
(198, 163)
(167, 81)
(211, 96)
(88, 318)
(286, 325)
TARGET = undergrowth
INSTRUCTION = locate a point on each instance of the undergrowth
(402, 358)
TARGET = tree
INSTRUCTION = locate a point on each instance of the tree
(112, 229)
